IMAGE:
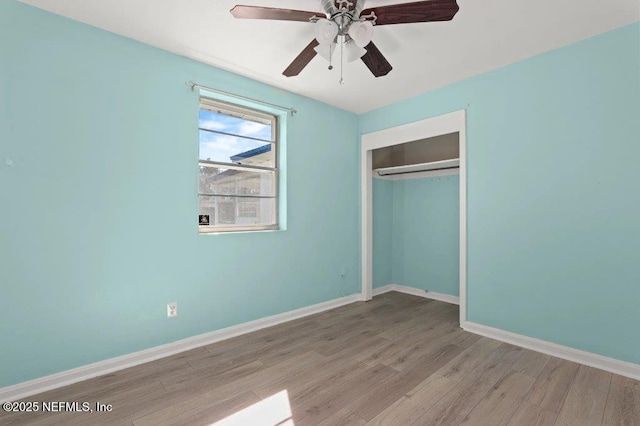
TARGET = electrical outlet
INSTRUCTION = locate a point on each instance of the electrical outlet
(172, 310)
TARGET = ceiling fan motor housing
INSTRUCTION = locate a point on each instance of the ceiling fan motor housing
(329, 7)
(358, 9)
(339, 12)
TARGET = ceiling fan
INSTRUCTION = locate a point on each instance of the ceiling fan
(347, 25)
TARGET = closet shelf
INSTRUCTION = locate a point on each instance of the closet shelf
(453, 163)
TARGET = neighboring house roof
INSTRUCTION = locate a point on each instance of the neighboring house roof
(251, 153)
(229, 173)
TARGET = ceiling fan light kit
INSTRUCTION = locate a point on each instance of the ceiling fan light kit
(326, 31)
(361, 33)
(351, 26)
(354, 51)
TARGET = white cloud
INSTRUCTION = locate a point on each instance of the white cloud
(223, 147)
(244, 128)
(213, 125)
(251, 128)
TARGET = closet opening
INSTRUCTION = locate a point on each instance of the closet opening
(414, 209)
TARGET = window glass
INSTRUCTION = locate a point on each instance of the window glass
(238, 175)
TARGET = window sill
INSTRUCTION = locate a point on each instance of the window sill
(238, 231)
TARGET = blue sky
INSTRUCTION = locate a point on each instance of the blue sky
(218, 147)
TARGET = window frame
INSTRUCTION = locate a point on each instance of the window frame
(246, 113)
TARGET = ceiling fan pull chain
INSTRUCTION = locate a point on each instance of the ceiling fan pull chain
(331, 47)
(341, 58)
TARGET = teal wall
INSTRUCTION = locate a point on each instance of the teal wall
(427, 234)
(553, 225)
(97, 223)
(416, 233)
(382, 212)
(98, 144)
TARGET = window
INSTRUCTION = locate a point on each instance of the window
(238, 185)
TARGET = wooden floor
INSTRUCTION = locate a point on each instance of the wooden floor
(396, 360)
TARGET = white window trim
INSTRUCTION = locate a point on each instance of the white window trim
(246, 112)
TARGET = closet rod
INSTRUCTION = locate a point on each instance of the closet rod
(421, 167)
(417, 171)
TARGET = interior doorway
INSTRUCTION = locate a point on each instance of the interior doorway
(454, 122)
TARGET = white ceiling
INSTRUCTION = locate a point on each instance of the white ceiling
(484, 35)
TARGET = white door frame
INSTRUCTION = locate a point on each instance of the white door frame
(430, 127)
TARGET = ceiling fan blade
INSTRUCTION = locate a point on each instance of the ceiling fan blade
(257, 12)
(301, 61)
(375, 61)
(420, 11)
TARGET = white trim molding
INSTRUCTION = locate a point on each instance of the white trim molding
(381, 290)
(43, 384)
(417, 292)
(611, 365)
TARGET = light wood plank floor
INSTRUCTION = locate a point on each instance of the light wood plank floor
(396, 360)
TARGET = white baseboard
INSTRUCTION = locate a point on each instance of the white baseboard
(32, 387)
(417, 292)
(612, 365)
(384, 289)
